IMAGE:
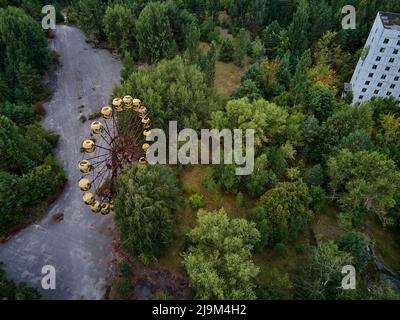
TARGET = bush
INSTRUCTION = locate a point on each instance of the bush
(124, 268)
(123, 289)
(196, 201)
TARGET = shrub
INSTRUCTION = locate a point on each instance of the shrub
(196, 201)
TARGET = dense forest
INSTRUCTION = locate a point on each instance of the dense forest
(30, 176)
(326, 184)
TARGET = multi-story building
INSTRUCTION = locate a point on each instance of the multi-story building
(378, 71)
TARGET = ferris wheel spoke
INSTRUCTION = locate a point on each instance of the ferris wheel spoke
(98, 146)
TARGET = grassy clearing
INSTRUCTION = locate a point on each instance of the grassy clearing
(192, 179)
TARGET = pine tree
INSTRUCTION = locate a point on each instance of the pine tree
(154, 33)
(226, 51)
(284, 76)
(301, 80)
(240, 47)
(192, 41)
(298, 30)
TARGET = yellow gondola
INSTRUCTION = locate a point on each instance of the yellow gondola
(142, 160)
(88, 146)
(147, 133)
(105, 209)
(95, 207)
(97, 128)
(85, 167)
(84, 184)
(128, 102)
(88, 198)
(107, 113)
(117, 104)
(136, 103)
(146, 120)
(145, 147)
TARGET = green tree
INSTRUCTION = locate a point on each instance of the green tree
(240, 45)
(365, 182)
(19, 113)
(358, 140)
(282, 212)
(219, 258)
(192, 41)
(298, 30)
(272, 39)
(273, 125)
(45, 180)
(320, 102)
(321, 277)
(23, 55)
(248, 88)
(154, 34)
(206, 63)
(343, 122)
(284, 74)
(13, 156)
(119, 24)
(173, 91)
(315, 176)
(14, 197)
(356, 243)
(90, 16)
(147, 195)
(226, 51)
(301, 79)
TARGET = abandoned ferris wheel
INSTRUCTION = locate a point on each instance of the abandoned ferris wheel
(111, 146)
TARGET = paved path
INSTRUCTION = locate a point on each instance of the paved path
(79, 247)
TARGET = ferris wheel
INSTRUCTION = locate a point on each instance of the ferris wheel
(112, 145)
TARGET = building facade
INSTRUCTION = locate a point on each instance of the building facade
(378, 71)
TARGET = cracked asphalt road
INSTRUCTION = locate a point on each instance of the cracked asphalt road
(79, 247)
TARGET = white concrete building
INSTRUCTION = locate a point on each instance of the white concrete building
(378, 70)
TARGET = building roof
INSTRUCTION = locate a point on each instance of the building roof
(390, 20)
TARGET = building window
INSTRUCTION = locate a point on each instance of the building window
(395, 51)
(396, 78)
(391, 60)
(380, 84)
(392, 86)
(398, 43)
(370, 75)
(387, 69)
(367, 82)
(378, 58)
(376, 92)
(360, 97)
(386, 41)
(364, 90)
(383, 76)
(382, 50)
(374, 66)
(389, 93)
